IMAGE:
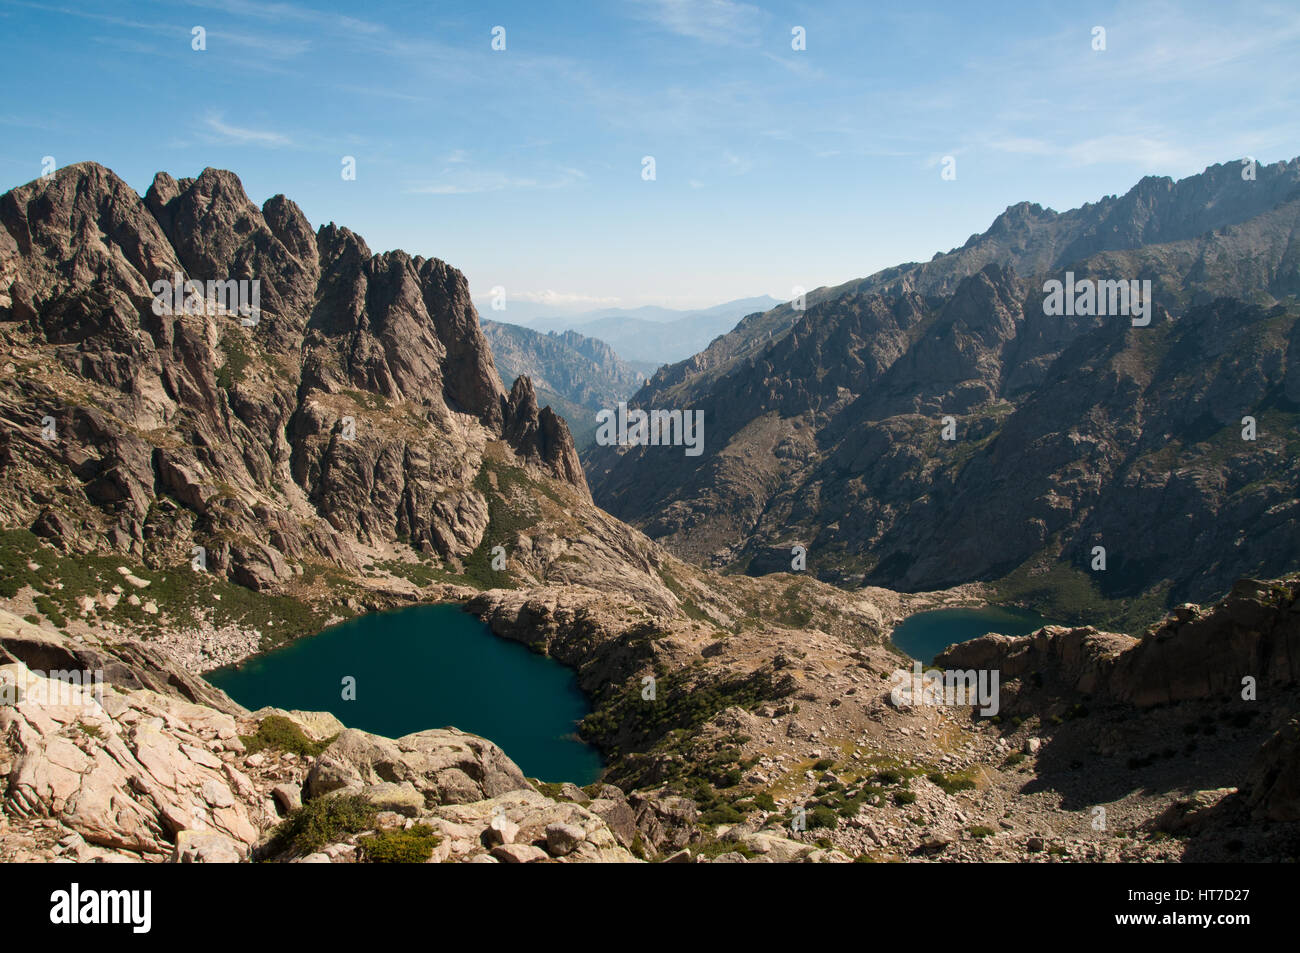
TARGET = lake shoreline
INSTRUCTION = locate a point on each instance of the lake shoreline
(923, 635)
(423, 667)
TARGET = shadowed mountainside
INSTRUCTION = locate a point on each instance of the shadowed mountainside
(1070, 431)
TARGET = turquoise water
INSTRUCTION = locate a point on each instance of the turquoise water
(926, 634)
(429, 667)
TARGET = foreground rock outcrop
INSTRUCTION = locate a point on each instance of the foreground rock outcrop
(95, 766)
(1246, 644)
(1201, 706)
(111, 770)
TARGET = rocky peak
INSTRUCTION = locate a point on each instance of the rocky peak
(540, 436)
(219, 235)
(241, 425)
(1019, 216)
(472, 381)
(522, 402)
(335, 242)
(290, 226)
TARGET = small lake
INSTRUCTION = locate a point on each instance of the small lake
(429, 667)
(926, 634)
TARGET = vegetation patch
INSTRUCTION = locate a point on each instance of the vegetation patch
(281, 734)
(414, 845)
(952, 783)
(661, 732)
(325, 820)
(237, 360)
(513, 509)
(182, 595)
(689, 606)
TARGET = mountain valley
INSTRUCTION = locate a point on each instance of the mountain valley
(183, 491)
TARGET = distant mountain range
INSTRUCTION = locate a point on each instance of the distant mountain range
(648, 334)
(824, 426)
(575, 375)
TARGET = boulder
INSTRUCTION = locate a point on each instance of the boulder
(1187, 814)
(563, 839)
(519, 853)
(619, 817)
(207, 847)
(1275, 775)
(288, 797)
(400, 798)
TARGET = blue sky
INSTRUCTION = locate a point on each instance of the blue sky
(774, 167)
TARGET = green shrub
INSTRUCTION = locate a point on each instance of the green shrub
(237, 360)
(715, 848)
(722, 814)
(951, 783)
(822, 816)
(50, 610)
(323, 821)
(413, 845)
(551, 789)
(979, 830)
(282, 734)
(904, 798)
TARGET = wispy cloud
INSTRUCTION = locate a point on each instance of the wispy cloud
(466, 181)
(290, 13)
(723, 22)
(276, 45)
(798, 63)
(26, 123)
(244, 135)
(1145, 150)
(736, 165)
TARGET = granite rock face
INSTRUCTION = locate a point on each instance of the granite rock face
(445, 766)
(356, 409)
